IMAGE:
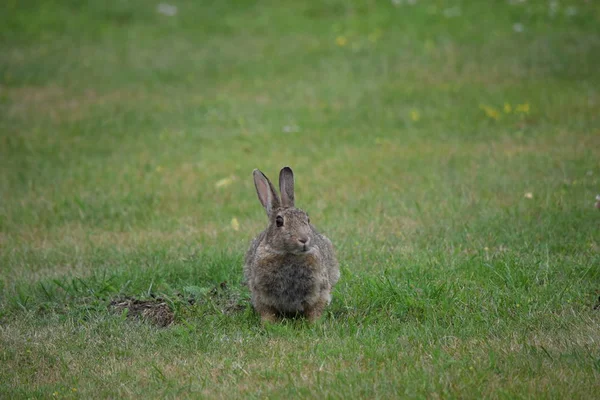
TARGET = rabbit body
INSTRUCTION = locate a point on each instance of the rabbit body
(290, 268)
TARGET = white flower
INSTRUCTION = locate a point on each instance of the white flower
(518, 27)
(166, 9)
(291, 128)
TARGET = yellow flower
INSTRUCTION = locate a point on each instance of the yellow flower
(507, 108)
(224, 182)
(341, 41)
(490, 112)
(235, 225)
(74, 389)
(522, 108)
(415, 115)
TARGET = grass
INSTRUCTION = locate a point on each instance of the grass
(450, 150)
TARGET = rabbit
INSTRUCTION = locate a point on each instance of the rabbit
(289, 268)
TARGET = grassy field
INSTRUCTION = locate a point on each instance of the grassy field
(450, 150)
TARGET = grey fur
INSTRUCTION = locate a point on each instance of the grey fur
(289, 269)
(286, 187)
(265, 191)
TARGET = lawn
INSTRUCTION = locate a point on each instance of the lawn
(449, 149)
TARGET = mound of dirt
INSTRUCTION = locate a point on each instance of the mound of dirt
(155, 311)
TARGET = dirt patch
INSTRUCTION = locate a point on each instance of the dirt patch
(155, 311)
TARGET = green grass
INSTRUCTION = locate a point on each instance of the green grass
(452, 160)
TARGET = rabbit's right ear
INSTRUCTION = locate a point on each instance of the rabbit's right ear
(266, 192)
(286, 186)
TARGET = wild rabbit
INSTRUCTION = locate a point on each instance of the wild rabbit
(290, 268)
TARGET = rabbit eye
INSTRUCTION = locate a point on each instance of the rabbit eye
(279, 221)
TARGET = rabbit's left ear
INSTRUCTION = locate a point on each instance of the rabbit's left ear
(286, 186)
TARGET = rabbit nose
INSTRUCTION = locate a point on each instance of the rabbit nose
(303, 240)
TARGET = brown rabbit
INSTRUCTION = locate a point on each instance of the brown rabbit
(290, 268)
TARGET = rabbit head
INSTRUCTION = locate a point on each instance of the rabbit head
(289, 229)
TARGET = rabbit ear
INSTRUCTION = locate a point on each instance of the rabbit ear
(266, 192)
(286, 186)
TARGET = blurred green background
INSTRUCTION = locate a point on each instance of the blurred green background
(450, 150)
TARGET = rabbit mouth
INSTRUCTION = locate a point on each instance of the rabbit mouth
(301, 249)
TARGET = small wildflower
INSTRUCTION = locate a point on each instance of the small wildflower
(224, 182)
(341, 41)
(235, 225)
(507, 108)
(518, 305)
(522, 108)
(291, 128)
(166, 9)
(486, 248)
(415, 116)
(490, 112)
(518, 27)
(55, 394)
(73, 390)
(528, 195)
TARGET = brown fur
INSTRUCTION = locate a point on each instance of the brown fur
(290, 269)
